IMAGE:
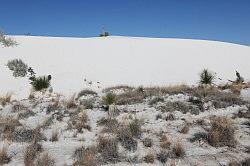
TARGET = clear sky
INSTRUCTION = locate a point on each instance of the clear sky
(222, 20)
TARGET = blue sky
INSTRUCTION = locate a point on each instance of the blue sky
(222, 20)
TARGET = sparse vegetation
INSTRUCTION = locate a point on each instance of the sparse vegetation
(149, 158)
(108, 148)
(221, 133)
(177, 150)
(45, 159)
(85, 156)
(5, 158)
(31, 152)
(147, 142)
(164, 142)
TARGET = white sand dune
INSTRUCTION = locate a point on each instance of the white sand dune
(121, 60)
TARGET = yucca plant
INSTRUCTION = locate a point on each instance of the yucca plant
(41, 83)
(206, 77)
(109, 98)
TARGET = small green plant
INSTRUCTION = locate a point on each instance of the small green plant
(41, 83)
(109, 98)
(206, 77)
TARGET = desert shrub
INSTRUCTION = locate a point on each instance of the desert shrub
(155, 100)
(86, 92)
(88, 103)
(5, 99)
(8, 126)
(221, 133)
(7, 41)
(17, 107)
(108, 148)
(27, 135)
(85, 156)
(45, 159)
(185, 128)
(18, 67)
(5, 158)
(147, 142)
(164, 142)
(206, 77)
(177, 150)
(40, 83)
(31, 152)
(109, 98)
(54, 136)
(130, 97)
(162, 156)
(170, 116)
(110, 125)
(126, 139)
(135, 128)
(71, 103)
(119, 87)
(149, 158)
(79, 122)
(220, 99)
(198, 136)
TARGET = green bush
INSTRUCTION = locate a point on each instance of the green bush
(41, 83)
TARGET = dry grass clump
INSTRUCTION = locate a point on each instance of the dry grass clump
(110, 125)
(79, 122)
(108, 148)
(8, 126)
(85, 156)
(31, 152)
(5, 99)
(128, 133)
(149, 158)
(86, 92)
(54, 136)
(71, 103)
(221, 133)
(147, 142)
(25, 114)
(45, 159)
(185, 128)
(162, 156)
(5, 158)
(165, 142)
(177, 150)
